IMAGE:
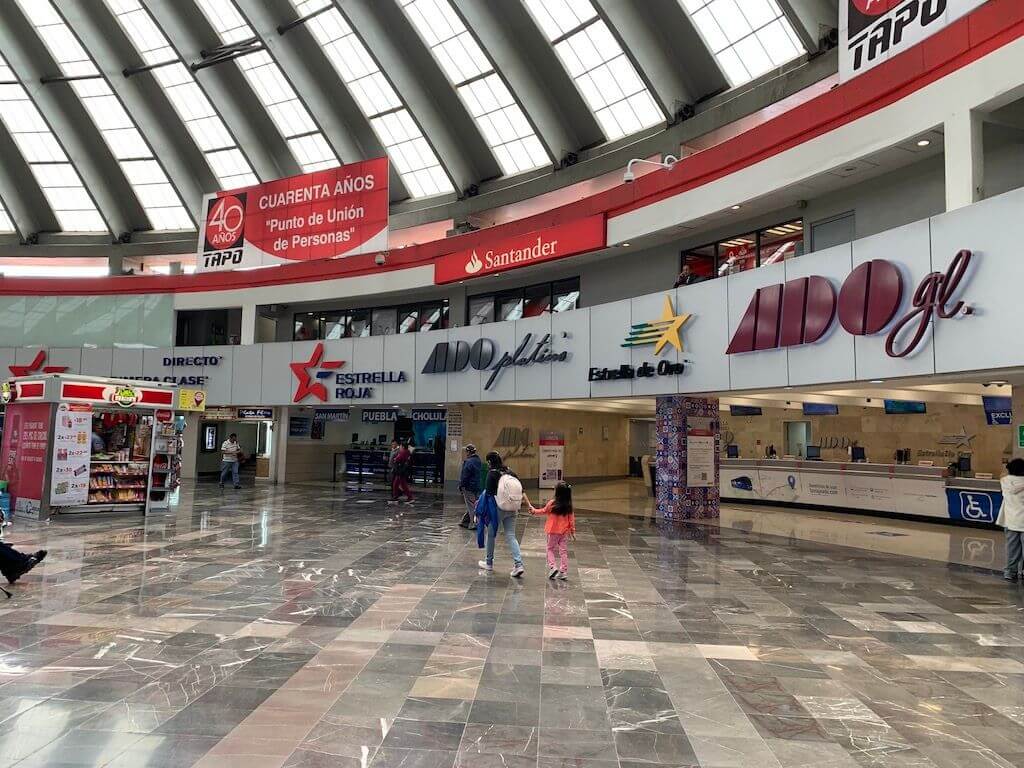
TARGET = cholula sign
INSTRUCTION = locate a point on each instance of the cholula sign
(488, 258)
(342, 211)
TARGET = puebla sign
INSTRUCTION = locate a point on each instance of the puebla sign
(490, 258)
(338, 212)
(801, 311)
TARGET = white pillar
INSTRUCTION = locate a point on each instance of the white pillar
(190, 449)
(248, 335)
(1017, 402)
(965, 159)
(281, 446)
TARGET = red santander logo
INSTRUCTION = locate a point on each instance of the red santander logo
(225, 221)
(875, 7)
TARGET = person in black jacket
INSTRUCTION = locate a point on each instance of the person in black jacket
(15, 564)
(469, 484)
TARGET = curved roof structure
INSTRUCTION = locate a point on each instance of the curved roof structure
(117, 115)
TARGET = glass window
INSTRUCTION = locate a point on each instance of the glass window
(408, 319)
(383, 322)
(510, 305)
(497, 113)
(698, 264)
(537, 300)
(780, 242)
(480, 310)
(358, 323)
(747, 37)
(433, 317)
(565, 295)
(307, 326)
(594, 59)
(333, 324)
(738, 254)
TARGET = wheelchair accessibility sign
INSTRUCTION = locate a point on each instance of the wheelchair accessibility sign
(973, 506)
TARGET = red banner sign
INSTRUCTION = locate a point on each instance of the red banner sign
(23, 454)
(556, 242)
(338, 212)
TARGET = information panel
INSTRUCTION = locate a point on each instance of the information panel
(69, 474)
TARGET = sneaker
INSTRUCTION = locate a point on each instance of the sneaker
(238, 487)
(552, 572)
(518, 570)
(1010, 577)
(221, 486)
(563, 576)
(485, 566)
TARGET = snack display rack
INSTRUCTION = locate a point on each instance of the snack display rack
(85, 444)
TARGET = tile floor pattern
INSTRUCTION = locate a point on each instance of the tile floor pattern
(306, 627)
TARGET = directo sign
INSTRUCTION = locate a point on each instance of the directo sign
(801, 311)
(556, 242)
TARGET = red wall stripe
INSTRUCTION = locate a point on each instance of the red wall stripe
(990, 27)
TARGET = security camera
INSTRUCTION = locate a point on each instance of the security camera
(628, 177)
(380, 259)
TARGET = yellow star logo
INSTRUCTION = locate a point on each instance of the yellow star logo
(664, 330)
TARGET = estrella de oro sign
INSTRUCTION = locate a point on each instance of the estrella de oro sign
(488, 258)
(341, 211)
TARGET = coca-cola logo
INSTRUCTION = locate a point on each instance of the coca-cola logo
(802, 311)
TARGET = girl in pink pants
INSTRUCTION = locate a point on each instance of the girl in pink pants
(560, 527)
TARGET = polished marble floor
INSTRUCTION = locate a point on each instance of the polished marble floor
(310, 627)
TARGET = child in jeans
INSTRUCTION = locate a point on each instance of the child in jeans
(1011, 516)
(560, 526)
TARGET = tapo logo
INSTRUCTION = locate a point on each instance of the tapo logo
(801, 311)
(474, 264)
(225, 222)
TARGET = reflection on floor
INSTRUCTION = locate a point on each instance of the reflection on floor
(308, 627)
(979, 547)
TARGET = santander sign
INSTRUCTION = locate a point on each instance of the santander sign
(488, 258)
(801, 311)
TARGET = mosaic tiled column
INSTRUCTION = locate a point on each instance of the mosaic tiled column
(675, 416)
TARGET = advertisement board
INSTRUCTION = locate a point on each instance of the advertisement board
(23, 455)
(69, 470)
(337, 212)
(191, 400)
(700, 452)
(551, 459)
(873, 31)
(507, 253)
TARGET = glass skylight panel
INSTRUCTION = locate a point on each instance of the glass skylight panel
(275, 93)
(413, 157)
(493, 107)
(596, 62)
(190, 102)
(115, 125)
(71, 204)
(747, 37)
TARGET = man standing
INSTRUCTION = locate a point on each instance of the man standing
(400, 474)
(231, 454)
(469, 484)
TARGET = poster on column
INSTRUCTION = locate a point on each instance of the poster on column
(23, 455)
(69, 473)
(700, 452)
(551, 458)
(341, 211)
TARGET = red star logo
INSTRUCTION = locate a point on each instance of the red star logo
(311, 385)
(36, 365)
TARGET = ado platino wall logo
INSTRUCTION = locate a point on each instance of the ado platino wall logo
(665, 330)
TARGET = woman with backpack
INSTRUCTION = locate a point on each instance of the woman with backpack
(498, 505)
(400, 473)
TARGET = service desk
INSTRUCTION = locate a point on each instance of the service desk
(896, 489)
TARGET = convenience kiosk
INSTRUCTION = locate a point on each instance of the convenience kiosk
(87, 444)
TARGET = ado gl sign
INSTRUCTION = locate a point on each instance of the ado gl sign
(801, 311)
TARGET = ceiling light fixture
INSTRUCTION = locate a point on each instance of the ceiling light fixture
(736, 207)
(667, 164)
(924, 142)
(878, 381)
(624, 245)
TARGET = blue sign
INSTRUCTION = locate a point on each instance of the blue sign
(332, 415)
(821, 409)
(299, 426)
(973, 506)
(998, 410)
(744, 410)
(904, 407)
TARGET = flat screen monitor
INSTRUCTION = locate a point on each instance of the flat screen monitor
(821, 409)
(744, 410)
(857, 453)
(904, 407)
(814, 453)
(732, 451)
(963, 465)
